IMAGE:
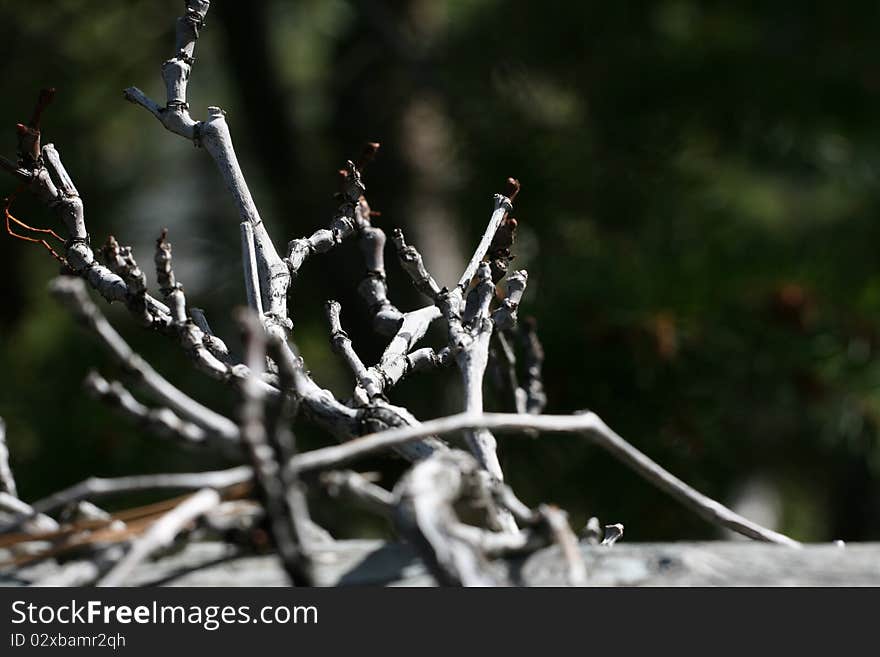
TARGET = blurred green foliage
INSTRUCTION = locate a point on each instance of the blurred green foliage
(698, 217)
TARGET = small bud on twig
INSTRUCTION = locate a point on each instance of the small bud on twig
(511, 188)
(43, 100)
(367, 155)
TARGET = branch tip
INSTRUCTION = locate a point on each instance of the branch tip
(369, 152)
(511, 188)
(43, 100)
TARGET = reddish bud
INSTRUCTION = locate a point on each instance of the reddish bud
(369, 152)
(45, 97)
(511, 188)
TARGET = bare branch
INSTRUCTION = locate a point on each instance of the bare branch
(374, 288)
(503, 205)
(592, 531)
(425, 515)
(472, 358)
(429, 502)
(251, 274)
(504, 316)
(7, 481)
(477, 303)
(557, 521)
(357, 487)
(613, 533)
(72, 293)
(208, 352)
(342, 345)
(23, 512)
(536, 398)
(50, 182)
(589, 425)
(503, 368)
(161, 420)
(120, 260)
(213, 134)
(413, 264)
(171, 289)
(399, 360)
(161, 535)
(96, 487)
(469, 337)
(352, 213)
(268, 473)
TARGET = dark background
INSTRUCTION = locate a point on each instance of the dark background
(699, 218)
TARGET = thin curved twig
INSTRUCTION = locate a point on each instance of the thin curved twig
(588, 425)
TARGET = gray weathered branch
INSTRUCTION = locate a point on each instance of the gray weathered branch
(161, 420)
(72, 293)
(355, 486)
(271, 480)
(161, 534)
(424, 513)
(213, 134)
(352, 212)
(7, 481)
(23, 513)
(536, 398)
(97, 487)
(503, 205)
(209, 353)
(121, 281)
(588, 425)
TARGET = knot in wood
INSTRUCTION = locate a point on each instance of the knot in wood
(374, 418)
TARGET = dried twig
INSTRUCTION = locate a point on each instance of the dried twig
(374, 287)
(536, 398)
(161, 420)
(503, 205)
(351, 215)
(425, 515)
(121, 280)
(589, 425)
(7, 481)
(251, 272)
(358, 488)
(268, 472)
(161, 535)
(97, 487)
(470, 328)
(366, 381)
(72, 293)
(213, 134)
(613, 533)
(469, 336)
(427, 502)
(556, 521)
(22, 512)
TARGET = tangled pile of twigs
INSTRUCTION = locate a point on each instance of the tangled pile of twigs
(452, 505)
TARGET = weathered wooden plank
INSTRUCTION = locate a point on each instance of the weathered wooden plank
(372, 563)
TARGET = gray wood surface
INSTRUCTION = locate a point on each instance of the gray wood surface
(373, 563)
